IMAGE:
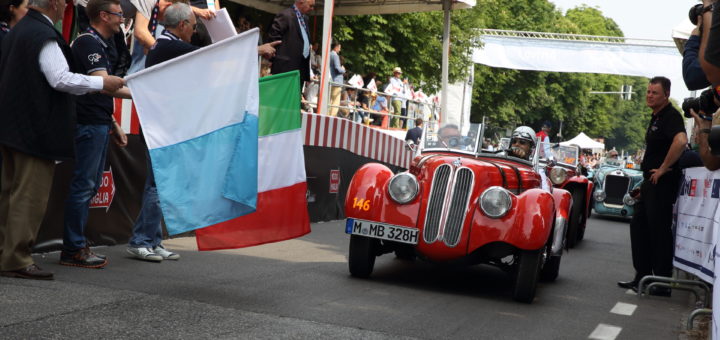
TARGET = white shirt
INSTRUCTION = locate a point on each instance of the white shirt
(57, 72)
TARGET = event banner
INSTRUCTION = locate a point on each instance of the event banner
(697, 216)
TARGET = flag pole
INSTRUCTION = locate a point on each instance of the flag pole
(324, 92)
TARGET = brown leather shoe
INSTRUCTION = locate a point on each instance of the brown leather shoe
(32, 272)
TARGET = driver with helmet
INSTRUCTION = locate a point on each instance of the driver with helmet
(522, 143)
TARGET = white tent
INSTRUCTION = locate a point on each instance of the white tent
(585, 142)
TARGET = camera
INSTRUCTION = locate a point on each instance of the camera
(695, 11)
(705, 103)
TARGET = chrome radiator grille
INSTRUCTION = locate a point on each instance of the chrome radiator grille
(436, 202)
(445, 221)
(615, 188)
(458, 205)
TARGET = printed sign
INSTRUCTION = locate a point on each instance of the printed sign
(334, 181)
(106, 192)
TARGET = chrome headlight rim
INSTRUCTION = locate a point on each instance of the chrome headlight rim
(558, 175)
(628, 200)
(599, 196)
(484, 195)
(415, 188)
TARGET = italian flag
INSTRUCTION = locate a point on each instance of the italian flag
(281, 203)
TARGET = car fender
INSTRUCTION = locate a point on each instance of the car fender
(368, 199)
(563, 204)
(526, 226)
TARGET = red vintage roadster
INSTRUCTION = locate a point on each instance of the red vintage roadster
(567, 173)
(460, 203)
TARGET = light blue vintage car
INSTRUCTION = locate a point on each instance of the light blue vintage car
(614, 180)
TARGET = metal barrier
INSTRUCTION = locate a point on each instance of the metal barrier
(650, 281)
(353, 110)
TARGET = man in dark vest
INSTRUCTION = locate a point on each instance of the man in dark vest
(37, 125)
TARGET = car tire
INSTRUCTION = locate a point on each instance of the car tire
(362, 256)
(527, 274)
(575, 222)
(551, 269)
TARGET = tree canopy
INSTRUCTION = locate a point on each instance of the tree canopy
(505, 97)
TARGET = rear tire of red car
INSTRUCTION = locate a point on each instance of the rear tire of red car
(362, 255)
(576, 217)
(527, 273)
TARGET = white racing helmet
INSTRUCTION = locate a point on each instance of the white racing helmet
(525, 133)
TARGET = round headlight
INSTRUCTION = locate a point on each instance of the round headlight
(403, 187)
(495, 202)
(628, 200)
(599, 196)
(558, 175)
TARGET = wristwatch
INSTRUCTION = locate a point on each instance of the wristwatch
(704, 131)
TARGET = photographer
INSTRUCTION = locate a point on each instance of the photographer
(693, 74)
(710, 41)
(703, 125)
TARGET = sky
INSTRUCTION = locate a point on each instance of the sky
(639, 19)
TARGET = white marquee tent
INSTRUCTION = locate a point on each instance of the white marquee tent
(585, 142)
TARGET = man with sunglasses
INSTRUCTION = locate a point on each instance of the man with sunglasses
(96, 56)
(522, 142)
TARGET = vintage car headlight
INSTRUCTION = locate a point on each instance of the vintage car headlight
(558, 175)
(628, 200)
(495, 202)
(403, 187)
(599, 196)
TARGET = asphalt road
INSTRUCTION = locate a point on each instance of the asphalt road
(302, 289)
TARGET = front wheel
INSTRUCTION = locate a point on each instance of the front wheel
(528, 270)
(362, 255)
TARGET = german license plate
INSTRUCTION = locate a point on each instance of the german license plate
(381, 231)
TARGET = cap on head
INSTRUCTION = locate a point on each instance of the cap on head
(547, 124)
(397, 70)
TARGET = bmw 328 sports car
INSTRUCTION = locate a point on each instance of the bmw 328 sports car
(614, 181)
(458, 203)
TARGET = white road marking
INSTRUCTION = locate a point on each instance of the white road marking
(624, 308)
(605, 332)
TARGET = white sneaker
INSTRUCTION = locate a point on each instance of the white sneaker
(146, 254)
(166, 254)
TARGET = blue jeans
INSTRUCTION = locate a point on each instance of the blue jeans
(147, 231)
(91, 142)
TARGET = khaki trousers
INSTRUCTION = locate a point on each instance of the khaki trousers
(24, 193)
(335, 93)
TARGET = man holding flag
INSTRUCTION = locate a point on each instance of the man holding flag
(145, 243)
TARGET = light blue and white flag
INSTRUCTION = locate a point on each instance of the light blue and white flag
(199, 116)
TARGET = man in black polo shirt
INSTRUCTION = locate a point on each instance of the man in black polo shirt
(650, 229)
(96, 56)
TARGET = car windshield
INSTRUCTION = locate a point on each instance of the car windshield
(452, 137)
(563, 154)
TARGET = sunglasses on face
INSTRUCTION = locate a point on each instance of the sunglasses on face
(119, 14)
(521, 142)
